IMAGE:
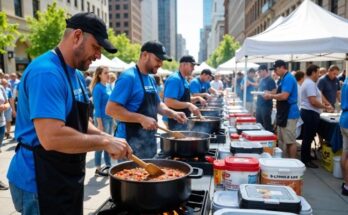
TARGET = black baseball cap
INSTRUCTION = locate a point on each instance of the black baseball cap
(262, 67)
(157, 49)
(188, 59)
(207, 72)
(278, 63)
(90, 23)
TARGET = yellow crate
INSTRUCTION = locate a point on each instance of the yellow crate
(327, 156)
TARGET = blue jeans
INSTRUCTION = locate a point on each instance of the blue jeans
(2, 134)
(26, 203)
(108, 125)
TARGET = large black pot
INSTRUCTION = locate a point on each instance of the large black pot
(148, 196)
(210, 125)
(185, 148)
(211, 111)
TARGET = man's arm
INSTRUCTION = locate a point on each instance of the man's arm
(178, 116)
(338, 96)
(175, 104)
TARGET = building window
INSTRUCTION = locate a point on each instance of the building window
(125, 24)
(88, 7)
(125, 6)
(118, 32)
(334, 6)
(126, 32)
(118, 24)
(68, 1)
(320, 2)
(18, 7)
(125, 15)
(117, 7)
(110, 24)
(118, 16)
(82, 5)
(110, 16)
(93, 8)
(36, 7)
(75, 3)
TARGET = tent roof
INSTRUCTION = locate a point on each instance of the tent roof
(199, 69)
(310, 33)
(104, 61)
(231, 65)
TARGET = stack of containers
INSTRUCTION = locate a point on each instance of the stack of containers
(266, 138)
(232, 117)
(283, 171)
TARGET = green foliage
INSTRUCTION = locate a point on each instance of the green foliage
(127, 51)
(171, 66)
(46, 30)
(225, 51)
(8, 33)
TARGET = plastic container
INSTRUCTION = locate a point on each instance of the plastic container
(232, 211)
(337, 171)
(269, 197)
(245, 120)
(248, 127)
(232, 117)
(277, 152)
(240, 171)
(223, 152)
(283, 171)
(225, 199)
(306, 208)
(219, 171)
(266, 138)
(247, 155)
(246, 147)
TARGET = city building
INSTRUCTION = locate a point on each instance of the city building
(167, 25)
(234, 19)
(180, 46)
(149, 20)
(16, 58)
(217, 26)
(204, 32)
(125, 17)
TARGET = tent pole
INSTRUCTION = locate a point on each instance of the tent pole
(245, 81)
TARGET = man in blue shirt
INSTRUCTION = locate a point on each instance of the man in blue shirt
(177, 92)
(47, 172)
(264, 106)
(135, 103)
(200, 86)
(287, 109)
(330, 87)
(251, 85)
(344, 131)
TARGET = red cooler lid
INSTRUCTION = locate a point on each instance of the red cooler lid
(259, 135)
(240, 115)
(219, 164)
(242, 164)
(234, 136)
(245, 119)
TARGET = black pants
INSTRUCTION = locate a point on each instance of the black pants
(263, 116)
(309, 129)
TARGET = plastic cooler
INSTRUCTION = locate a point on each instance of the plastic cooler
(225, 199)
(248, 127)
(240, 170)
(232, 117)
(266, 138)
(245, 120)
(269, 197)
(235, 211)
(246, 147)
(283, 171)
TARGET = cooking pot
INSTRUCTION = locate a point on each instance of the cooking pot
(211, 111)
(209, 124)
(152, 196)
(198, 146)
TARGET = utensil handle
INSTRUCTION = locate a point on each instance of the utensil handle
(164, 129)
(138, 161)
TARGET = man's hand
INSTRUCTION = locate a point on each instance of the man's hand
(329, 108)
(100, 126)
(180, 117)
(148, 123)
(202, 101)
(118, 148)
(194, 109)
(207, 96)
(268, 95)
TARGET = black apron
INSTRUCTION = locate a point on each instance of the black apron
(143, 142)
(172, 123)
(283, 108)
(60, 176)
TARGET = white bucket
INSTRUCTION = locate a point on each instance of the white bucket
(337, 171)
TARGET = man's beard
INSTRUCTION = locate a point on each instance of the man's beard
(78, 54)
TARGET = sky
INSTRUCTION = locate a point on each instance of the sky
(190, 21)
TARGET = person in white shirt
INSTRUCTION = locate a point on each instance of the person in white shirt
(217, 83)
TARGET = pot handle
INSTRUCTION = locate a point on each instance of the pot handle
(199, 173)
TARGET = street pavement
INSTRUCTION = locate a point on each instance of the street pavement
(320, 188)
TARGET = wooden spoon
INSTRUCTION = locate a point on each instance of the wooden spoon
(151, 168)
(175, 134)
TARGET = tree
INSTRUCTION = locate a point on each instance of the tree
(46, 30)
(171, 66)
(225, 51)
(8, 33)
(127, 51)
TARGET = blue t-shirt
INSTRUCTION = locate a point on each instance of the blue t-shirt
(329, 88)
(129, 93)
(8, 92)
(249, 97)
(44, 92)
(175, 86)
(197, 86)
(268, 84)
(344, 105)
(288, 84)
(101, 94)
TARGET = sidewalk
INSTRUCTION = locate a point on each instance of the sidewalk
(320, 188)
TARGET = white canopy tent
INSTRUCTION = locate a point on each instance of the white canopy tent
(120, 62)
(198, 69)
(310, 33)
(231, 66)
(104, 61)
(163, 72)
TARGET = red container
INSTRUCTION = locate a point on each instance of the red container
(245, 120)
(266, 138)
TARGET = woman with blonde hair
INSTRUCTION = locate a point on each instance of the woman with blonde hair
(101, 91)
